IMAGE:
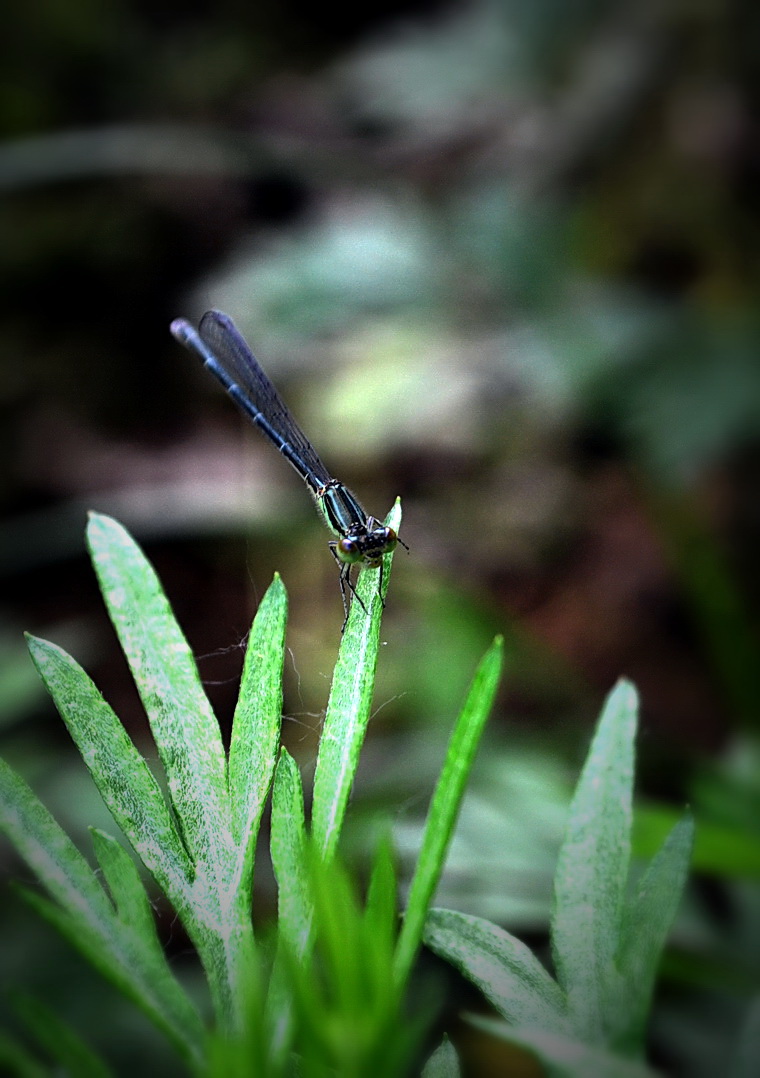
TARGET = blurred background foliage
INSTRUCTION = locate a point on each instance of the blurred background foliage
(502, 259)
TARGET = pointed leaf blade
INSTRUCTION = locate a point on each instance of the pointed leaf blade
(508, 974)
(348, 709)
(123, 778)
(184, 727)
(443, 1063)
(133, 907)
(446, 802)
(48, 850)
(288, 845)
(592, 870)
(256, 725)
(646, 925)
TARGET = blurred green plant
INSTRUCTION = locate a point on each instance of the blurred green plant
(327, 991)
(606, 945)
(199, 847)
(513, 261)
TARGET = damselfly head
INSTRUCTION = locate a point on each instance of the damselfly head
(367, 546)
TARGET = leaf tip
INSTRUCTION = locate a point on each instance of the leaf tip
(394, 517)
(495, 653)
(36, 644)
(625, 694)
(97, 520)
(276, 595)
(98, 525)
(45, 655)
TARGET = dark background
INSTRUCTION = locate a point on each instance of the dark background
(502, 260)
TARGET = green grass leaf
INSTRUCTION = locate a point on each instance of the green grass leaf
(132, 904)
(506, 971)
(348, 708)
(350, 1016)
(256, 728)
(84, 914)
(445, 804)
(204, 869)
(382, 902)
(184, 726)
(125, 781)
(135, 800)
(606, 945)
(443, 1063)
(215, 911)
(592, 871)
(48, 850)
(647, 920)
(731, 850)
(288, 844)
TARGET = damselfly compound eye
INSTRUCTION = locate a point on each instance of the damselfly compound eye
(349, 551)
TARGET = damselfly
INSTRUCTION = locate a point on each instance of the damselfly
(360, 539)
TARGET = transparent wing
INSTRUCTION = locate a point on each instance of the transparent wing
(237, 368)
